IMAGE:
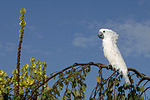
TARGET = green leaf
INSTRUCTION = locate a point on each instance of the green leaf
(142, 88)
(66, 82)
(44, 64)
(131, 81)
(120, 88)
(70, 79)
(83, 88)
(84, 74)
(138, 88)
(134, 88)
(61, 85)
(76, 93)
(111, 89)
(69, 91)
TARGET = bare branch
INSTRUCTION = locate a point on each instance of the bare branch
(145, 90)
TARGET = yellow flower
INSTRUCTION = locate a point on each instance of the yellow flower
(26, 73)
(22, 76)
(4, 81)
(20, 35)
(20, 32)
(31, 81)
(14, 72)
(45, 76)
(44, 64)
(98, 79)
(142, 98)
(8, 87)
(5, 74)
(29, 76)
(23, 10)
(27, 80)
(15, 84)
(33, 64)
(38, 62)
(1, 72)
(21, 90)
(39, 67)
(30, 69)
(26, 66)
(22, 23)
(21, 18)
(44, 70)
(46, 85)
(1, 79)
(32, 59)
(35, 71)
(39, 72)
(24, 82)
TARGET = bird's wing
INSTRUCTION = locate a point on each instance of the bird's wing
(116, 59)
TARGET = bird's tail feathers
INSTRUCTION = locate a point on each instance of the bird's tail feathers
(125, 74)
(127, 80)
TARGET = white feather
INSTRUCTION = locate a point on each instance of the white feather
(112, 53)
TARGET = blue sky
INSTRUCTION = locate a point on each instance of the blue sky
(64, 32)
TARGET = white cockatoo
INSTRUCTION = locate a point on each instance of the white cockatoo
(112, 53)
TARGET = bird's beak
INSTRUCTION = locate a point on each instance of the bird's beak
(100, 35)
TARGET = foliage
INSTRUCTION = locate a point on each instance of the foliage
(31, 81)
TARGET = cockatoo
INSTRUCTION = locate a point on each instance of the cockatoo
(112, 53)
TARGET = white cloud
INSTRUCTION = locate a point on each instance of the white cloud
(10, 46)
(84, 41)
(7, 47)
(134, 39)
(143, 2)
(34, 31)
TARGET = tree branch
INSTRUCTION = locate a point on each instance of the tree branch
(99, 65)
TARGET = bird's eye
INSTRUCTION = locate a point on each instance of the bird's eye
(103, 31)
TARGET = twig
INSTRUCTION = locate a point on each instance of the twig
(144, 77)
(145, 83)
(65, 91)
(144, 90)
(100, 82)
(115, 87)
(99, 65)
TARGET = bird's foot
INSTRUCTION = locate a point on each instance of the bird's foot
(109, 66)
